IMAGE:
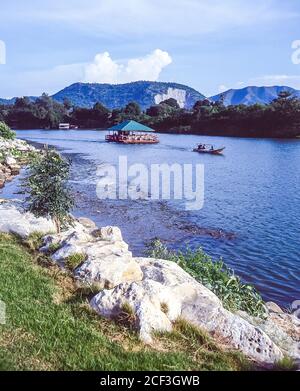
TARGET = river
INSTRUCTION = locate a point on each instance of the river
(251, 213)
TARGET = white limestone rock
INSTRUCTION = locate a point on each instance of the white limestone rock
(10, 161)
(87, 223)
(108, 271)
(20, 145)
(175, 93)
(282, 328)
(108, 261)
(273, 307)
(112, 234)
(166, 285)
(14, 220)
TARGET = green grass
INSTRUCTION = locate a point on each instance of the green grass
(75, 260)
(53, 248)
(216, 276)
(34, 241)
(50, 326)
(287, 364)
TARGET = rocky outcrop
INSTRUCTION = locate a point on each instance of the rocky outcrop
(13, 154)
(14, 220)
(17, 145)
(166, 293)
(108, 261)
(158, 291)
(283, 329)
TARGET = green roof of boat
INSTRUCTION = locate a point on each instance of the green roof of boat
(131, 126)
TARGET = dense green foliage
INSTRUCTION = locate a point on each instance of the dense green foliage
(216, 276)
(6, 132)
(47, 188)
(280, 118)
(51, 327)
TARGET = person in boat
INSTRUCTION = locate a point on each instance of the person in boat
(212, 148)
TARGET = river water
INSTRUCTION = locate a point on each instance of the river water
(251, 213)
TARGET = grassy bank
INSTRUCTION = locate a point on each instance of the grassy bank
(50, 326)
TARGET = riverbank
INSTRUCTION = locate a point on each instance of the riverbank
(250, 213)
(153, 294)
(56, 329)
(149, 295)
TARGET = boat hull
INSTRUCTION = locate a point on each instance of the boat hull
(131, 141)
(211, 152)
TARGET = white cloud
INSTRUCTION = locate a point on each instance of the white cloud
(106, 70)
(222, 88)
(102, 70)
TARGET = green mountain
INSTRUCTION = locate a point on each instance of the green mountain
(145, 93)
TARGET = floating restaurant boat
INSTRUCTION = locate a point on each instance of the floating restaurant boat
(131, 132)
(208, 148)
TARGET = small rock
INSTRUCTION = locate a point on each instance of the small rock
(10, 161)
(2, 179)
(273, 307)
(15, 169)
(87, 223)
(108, 233)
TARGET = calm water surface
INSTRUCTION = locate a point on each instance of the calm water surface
(251, 214)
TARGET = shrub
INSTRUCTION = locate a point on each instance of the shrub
(6, 132)
(47, 187)
(216, 276)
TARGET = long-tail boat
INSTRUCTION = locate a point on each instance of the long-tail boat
(208, 148)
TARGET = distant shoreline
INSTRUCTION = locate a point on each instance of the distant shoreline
(189, 133)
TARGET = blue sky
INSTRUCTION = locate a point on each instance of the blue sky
(210, 45)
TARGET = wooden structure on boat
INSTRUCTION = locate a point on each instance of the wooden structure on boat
(131, 132)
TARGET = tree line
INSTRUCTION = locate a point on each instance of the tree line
(280, 118)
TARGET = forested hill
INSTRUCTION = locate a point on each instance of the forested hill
(145, 93)
(280, 118)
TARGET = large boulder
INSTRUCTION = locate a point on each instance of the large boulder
(108, 260)
(282, 328)
(166, 293)
(14, 220)
(109, 271)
